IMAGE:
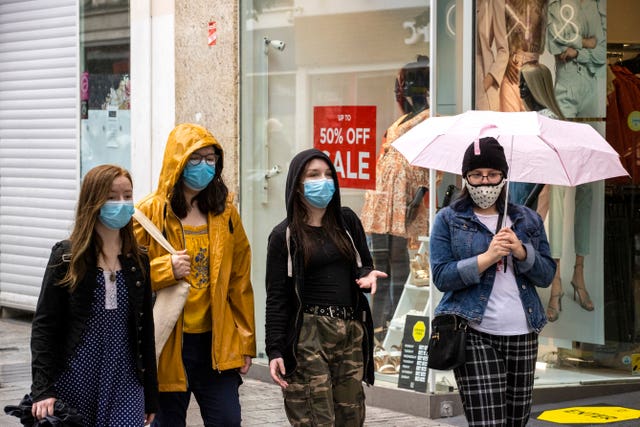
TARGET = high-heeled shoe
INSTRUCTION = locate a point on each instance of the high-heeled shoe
(583, 298)
(552, 312)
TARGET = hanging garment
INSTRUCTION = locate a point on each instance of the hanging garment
(385, 208)
(624, 100)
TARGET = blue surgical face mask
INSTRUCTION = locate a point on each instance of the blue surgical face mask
(197, 177)
(115, 214)
(319, 192)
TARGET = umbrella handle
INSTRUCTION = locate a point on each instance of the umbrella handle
(506, 200)
(504, 219)
(506, 196)
(506, 205)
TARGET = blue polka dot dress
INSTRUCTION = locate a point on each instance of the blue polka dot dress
(100, 380)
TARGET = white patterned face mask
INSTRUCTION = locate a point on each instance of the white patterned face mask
(485, 196)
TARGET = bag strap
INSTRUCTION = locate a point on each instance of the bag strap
(151, 228)
(461, 323)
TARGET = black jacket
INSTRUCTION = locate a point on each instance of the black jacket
(61, 317)
(284, 304)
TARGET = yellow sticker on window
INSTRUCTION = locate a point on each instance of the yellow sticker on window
(419, 331)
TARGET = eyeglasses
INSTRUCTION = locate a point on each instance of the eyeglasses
(209, 159)
(477, 178)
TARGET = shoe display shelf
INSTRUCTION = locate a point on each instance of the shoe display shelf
(415, 299)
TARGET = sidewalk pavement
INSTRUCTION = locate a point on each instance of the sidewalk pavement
(262, 403)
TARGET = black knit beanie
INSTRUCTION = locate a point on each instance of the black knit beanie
(491, 156)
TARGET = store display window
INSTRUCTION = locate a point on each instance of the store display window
(525, 45)
(350, 77)
(346, 78)
(105, 86)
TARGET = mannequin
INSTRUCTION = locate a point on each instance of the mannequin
(394, 213)
(492, 53)
(536, 92)
(580, 57)
(536, 78)
(526, 24)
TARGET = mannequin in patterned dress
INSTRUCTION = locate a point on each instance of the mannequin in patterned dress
(394, 212)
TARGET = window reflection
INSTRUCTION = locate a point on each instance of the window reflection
(105, 89)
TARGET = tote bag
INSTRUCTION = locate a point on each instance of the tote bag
(169, 300)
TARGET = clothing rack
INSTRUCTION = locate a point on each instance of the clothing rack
(622, 52)
(615, 54)
(618, 50)
(622, 47)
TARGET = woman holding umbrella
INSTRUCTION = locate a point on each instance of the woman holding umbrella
(469, 244)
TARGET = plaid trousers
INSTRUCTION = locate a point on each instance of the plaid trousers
(496, 382)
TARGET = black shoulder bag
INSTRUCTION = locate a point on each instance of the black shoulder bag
(447, 343)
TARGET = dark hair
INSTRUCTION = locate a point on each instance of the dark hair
(412, 83)
(331, 224)
(213, 198)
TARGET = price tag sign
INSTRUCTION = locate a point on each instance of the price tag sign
(413, 362)
(347, 134)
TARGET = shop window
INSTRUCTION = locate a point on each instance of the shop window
(325, 75)
(105, 89)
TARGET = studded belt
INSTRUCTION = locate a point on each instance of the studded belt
(337, 311)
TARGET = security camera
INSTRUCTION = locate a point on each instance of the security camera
(276, 44)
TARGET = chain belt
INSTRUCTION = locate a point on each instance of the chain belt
(337, 311)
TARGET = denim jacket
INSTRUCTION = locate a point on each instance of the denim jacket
(458, 237)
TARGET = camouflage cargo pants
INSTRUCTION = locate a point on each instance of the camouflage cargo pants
(326, 388)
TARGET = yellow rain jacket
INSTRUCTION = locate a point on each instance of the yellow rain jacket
(233, 324)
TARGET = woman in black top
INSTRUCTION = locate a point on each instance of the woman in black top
(318, 323)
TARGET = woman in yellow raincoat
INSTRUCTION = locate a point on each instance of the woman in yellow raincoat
(214, 338)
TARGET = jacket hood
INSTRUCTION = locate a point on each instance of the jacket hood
(296, 168)
(183, 140)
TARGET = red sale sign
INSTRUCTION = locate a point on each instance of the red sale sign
(347, 134)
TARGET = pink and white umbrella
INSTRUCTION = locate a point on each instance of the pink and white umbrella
(539, 149)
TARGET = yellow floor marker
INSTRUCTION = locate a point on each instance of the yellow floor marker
(590, 415)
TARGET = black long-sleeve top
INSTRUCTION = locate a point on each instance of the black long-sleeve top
(327, 278)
